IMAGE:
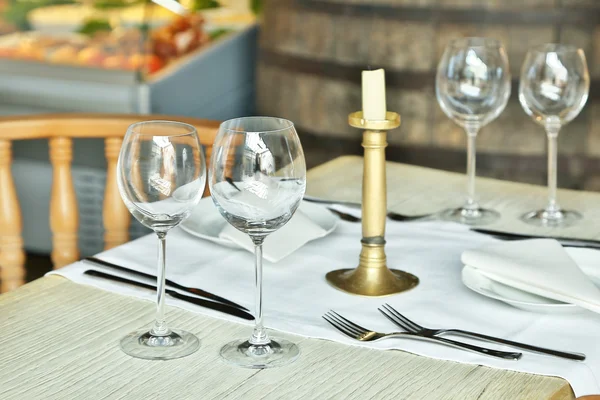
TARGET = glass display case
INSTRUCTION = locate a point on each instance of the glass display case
(127, 35)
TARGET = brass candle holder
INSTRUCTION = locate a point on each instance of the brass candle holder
(372, 277)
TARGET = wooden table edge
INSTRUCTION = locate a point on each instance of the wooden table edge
(565, 392)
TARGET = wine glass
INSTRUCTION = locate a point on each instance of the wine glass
(553, 89)
(472, 88)
(257, 179)
(161, 176)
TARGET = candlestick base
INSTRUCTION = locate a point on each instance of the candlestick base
(362, 282)
(372, 277)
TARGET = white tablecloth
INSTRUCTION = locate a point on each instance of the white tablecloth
(297, 295)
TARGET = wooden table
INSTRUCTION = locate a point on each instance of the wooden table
(60, 339)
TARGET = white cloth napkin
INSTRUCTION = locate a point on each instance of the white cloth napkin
(538, 266)
(297, 295)
(310, 222)
(289, 238)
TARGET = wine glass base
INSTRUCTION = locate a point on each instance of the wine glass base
(275, 354)
(478, 216)
(142, 344)
(558, 218)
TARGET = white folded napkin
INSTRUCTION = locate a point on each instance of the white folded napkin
(538, 266)
(289, 238)
(311, 221)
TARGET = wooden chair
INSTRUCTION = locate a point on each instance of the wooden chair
(60, 129)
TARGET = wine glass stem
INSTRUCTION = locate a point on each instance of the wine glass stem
(472, 131)
(259, 335)
(160, 327)
(552, 132)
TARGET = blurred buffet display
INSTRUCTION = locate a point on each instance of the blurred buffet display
(129, 35)
(186, 57)
(189, 57)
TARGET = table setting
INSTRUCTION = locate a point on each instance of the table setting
(297, 295)
(437, 284)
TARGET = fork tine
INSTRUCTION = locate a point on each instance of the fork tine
(349, 325)
(396, 321)
(403, 318)
(400, 321)
(339, 327)
(341, 324)
(356, 326)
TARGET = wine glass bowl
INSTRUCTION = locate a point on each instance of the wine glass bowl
(553, 90)
(472, 81)
(257, 180)
(554, 83)
(161, 175)
(472, 89)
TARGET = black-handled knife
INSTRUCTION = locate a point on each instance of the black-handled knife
(568, 242)
(196, 291)
(224, 308)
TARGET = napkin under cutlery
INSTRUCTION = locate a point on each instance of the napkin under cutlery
(538, 266)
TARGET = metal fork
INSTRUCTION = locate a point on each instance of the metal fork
(405, 323)
(357, 332)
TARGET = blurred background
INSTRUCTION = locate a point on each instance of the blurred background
(297, 59)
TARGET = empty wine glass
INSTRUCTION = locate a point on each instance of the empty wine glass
(161, 175)
(472, 88)
(257, 179)
(553, 89)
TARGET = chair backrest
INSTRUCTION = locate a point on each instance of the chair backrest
(60, 129)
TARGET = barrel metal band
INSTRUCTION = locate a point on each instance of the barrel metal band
(477, 15)
(406, 79)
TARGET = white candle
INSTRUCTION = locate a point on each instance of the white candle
(373, 94)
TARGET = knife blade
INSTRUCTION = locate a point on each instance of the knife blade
(196, 291)
(224, 308)
(568, 242)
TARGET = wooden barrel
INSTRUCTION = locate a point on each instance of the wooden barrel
(312, 52)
